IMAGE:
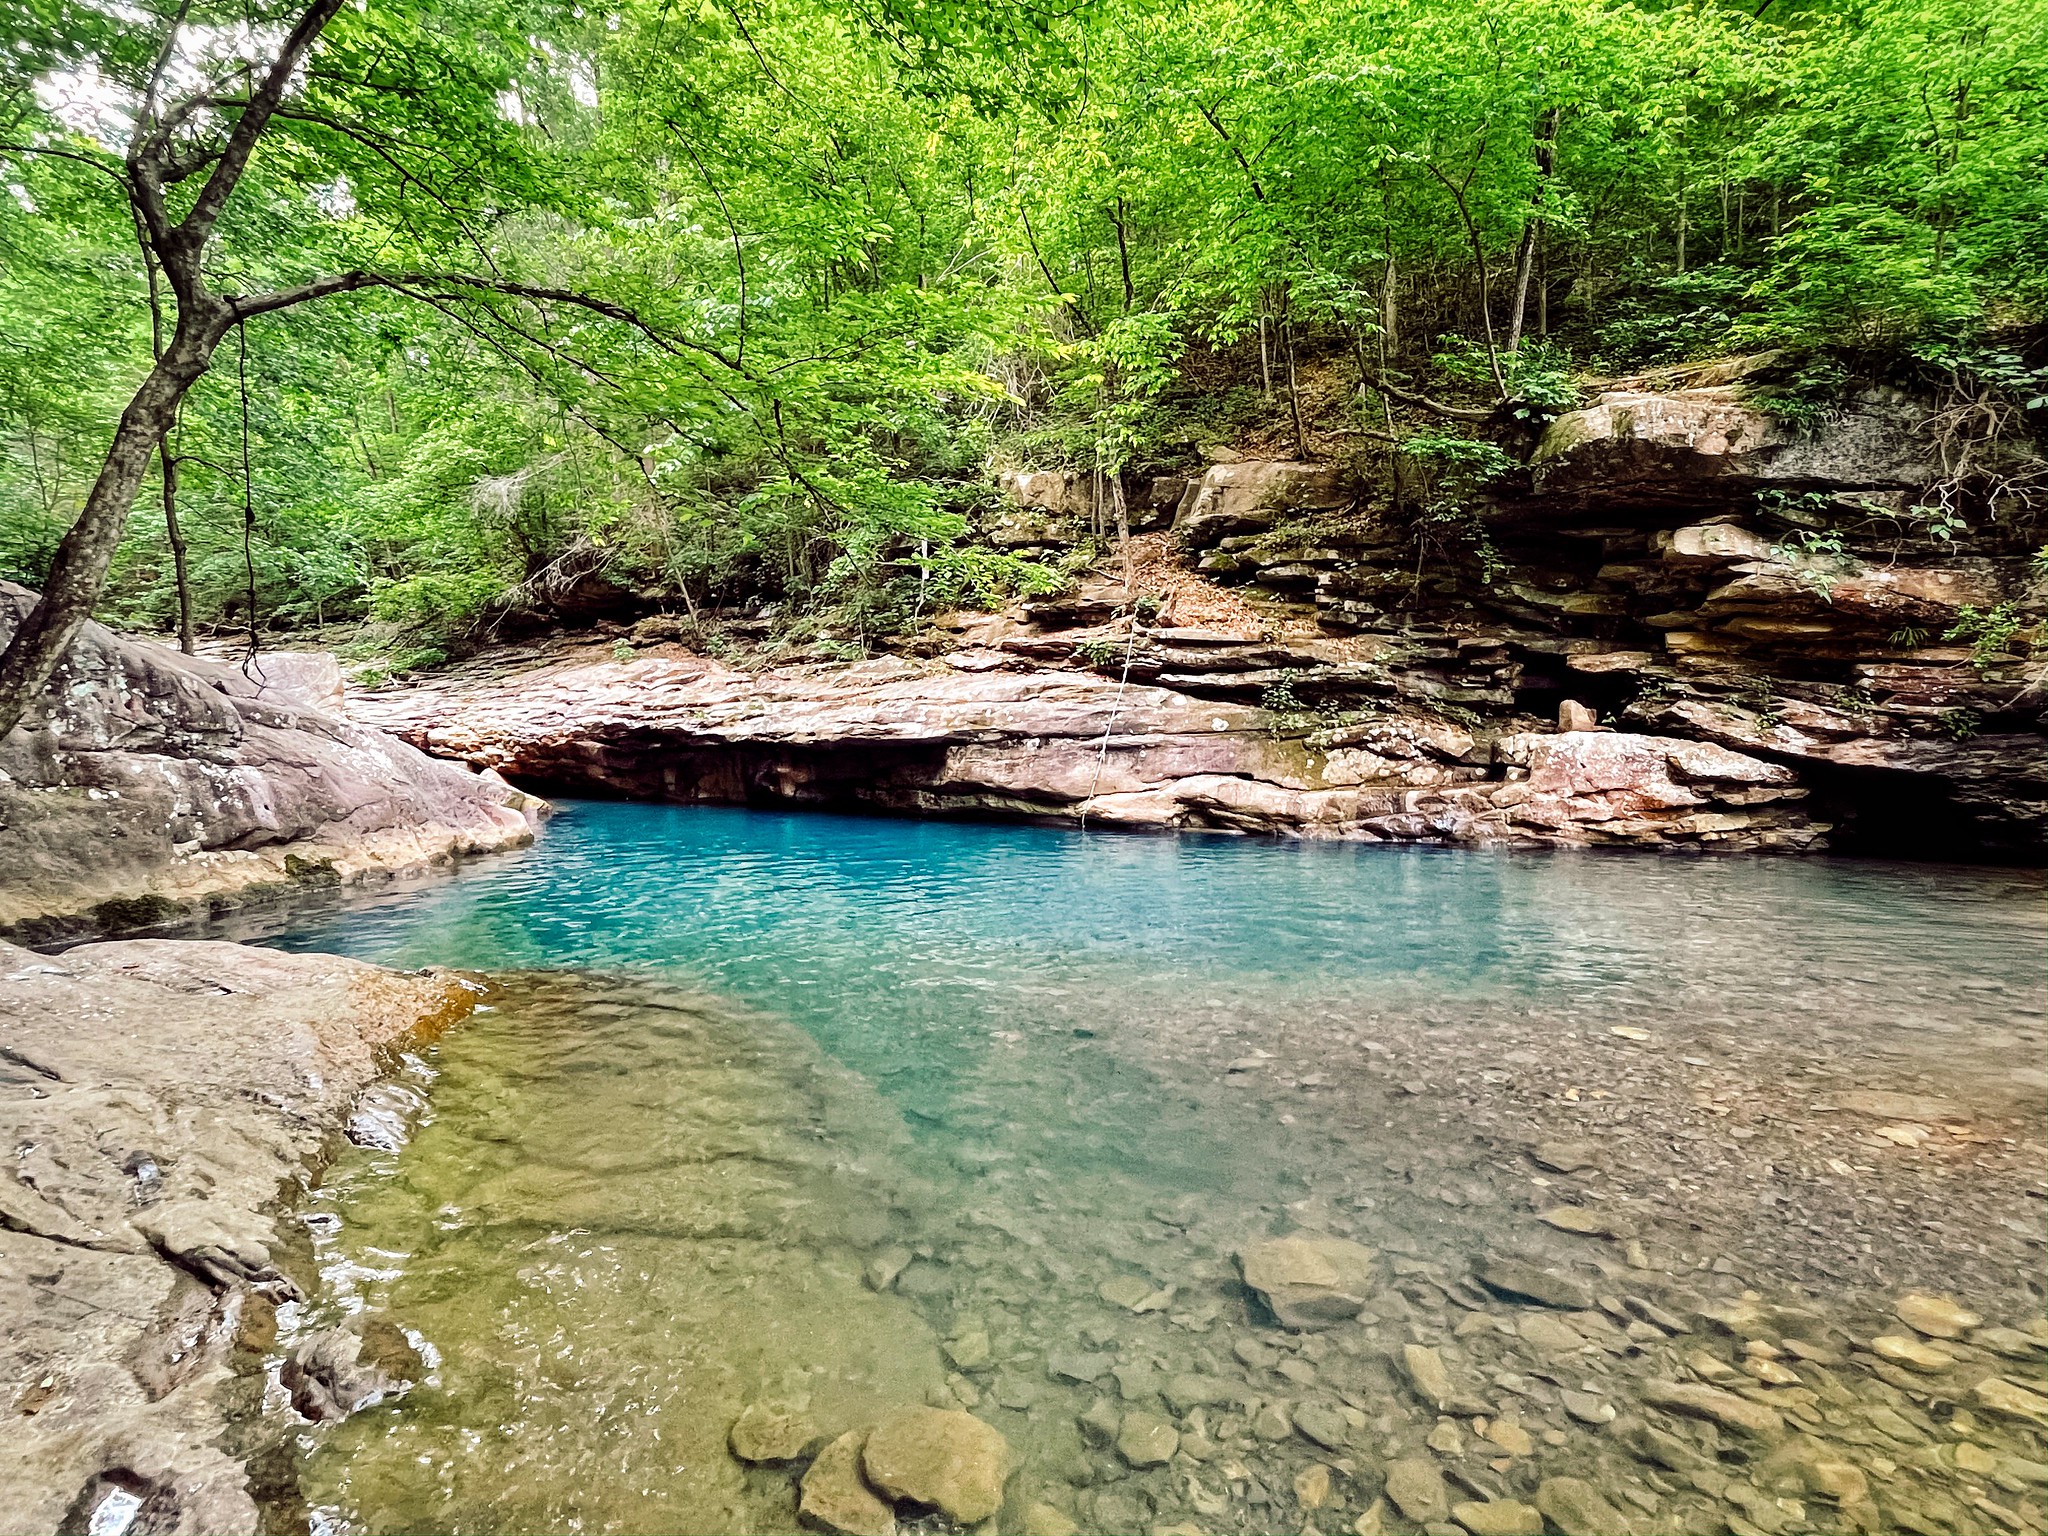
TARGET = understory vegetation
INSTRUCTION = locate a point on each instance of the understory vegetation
(741, 304)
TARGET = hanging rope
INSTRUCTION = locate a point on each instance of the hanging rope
(1116, 706)
(248, 487)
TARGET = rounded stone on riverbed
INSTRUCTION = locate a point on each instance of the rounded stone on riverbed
(1936, 1316)
(1146, 1440)
(1126, 1291)
(1417, 1489)
(1325, 1425)
(834, 1496)
(943, 1458)
(764, 1432)
(1581, 1221)
(1572, 1504)
(1911, 1353)
(1042, 1519)
(2002, 1396)
(1312, 1486)
(338, 1371)
(1526, 1282)
(1711, 1403)
(1563, 1156)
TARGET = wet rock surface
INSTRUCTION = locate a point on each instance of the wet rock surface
(158, 1098)
(160, 785)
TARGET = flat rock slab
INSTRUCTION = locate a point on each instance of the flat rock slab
(1577, 1508)
(940, 1458)
(1711, 1403)
(835, 1496)
(1522, 1281)
(155, 1149)
(1309, 1282)
(1903, 1106)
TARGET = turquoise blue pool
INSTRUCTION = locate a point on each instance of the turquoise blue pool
(737, 1059)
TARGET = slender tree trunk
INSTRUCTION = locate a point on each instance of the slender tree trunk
(1457, 192)
(1532, 232)
(1123, 254)
(1390, 311)
(1525, 267)
(175, 534)
(1123, 540)
(1543, 284)
(87, 549)
(1265, 350)
(1294, 390)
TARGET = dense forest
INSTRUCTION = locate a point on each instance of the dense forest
(744, 302)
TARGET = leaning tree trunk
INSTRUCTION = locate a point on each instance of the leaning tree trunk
(80, 567)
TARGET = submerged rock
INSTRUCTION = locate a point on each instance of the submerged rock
(1522, 1281)
(1577, 1508)
(1309, 1282)
(835, 1496)
(1417, 1489)
(1722, 1408)
(344, 1370)
(1936, 1316)
(1499, 1517)
(764, 1432)
(943, 1458)
(1146, 1440)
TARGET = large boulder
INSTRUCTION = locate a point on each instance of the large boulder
(1713, 445)
(1251, 495)
(154, 783)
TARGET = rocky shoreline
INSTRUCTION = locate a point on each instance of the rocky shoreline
(968, 735)
(1682, 624)
(164, 1101)
(160, 787)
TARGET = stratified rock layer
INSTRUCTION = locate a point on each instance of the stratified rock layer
(1072, 746)
(157, 1097)
(158, 784)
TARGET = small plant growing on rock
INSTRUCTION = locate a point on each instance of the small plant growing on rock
(1097, 653)
(1821, 558)
(1961, 723)
(1281, 698)
(1989, 632)
(622, 650)
(1909, 638)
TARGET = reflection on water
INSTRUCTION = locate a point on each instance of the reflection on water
(1019, 1064)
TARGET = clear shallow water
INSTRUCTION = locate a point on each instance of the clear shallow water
(886, 940)
(1026, 1062)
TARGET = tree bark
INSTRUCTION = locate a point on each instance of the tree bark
(87, 549)
(175, 535)
(1525, 255)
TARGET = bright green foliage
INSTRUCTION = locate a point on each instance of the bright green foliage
(880, 250)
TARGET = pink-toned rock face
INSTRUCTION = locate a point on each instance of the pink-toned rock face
(157, 781)
(1073, 746)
